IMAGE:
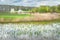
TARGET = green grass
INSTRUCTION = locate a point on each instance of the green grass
(9, 15)
(14, 16)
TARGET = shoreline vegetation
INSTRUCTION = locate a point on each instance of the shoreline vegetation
(31, 18)
(34, 22)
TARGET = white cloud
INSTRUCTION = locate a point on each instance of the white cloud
(30, 2)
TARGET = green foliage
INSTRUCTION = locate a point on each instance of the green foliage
(45, 9)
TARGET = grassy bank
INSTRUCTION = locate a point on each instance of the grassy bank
(9, 16)
(14, 16)
(35, 22)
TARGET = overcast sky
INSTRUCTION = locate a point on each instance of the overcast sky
(30, 2)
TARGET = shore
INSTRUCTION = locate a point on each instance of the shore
(34, 17)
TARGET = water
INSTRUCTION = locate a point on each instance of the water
(30, 31)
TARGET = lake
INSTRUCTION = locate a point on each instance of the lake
(23, 31)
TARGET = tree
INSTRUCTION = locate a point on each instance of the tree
(58, 8)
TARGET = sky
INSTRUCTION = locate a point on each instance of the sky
(31, 3)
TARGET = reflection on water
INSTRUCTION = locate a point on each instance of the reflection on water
(30, 31)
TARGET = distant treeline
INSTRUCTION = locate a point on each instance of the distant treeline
(46, 9)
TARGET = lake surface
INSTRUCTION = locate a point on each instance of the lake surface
(24, 31)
